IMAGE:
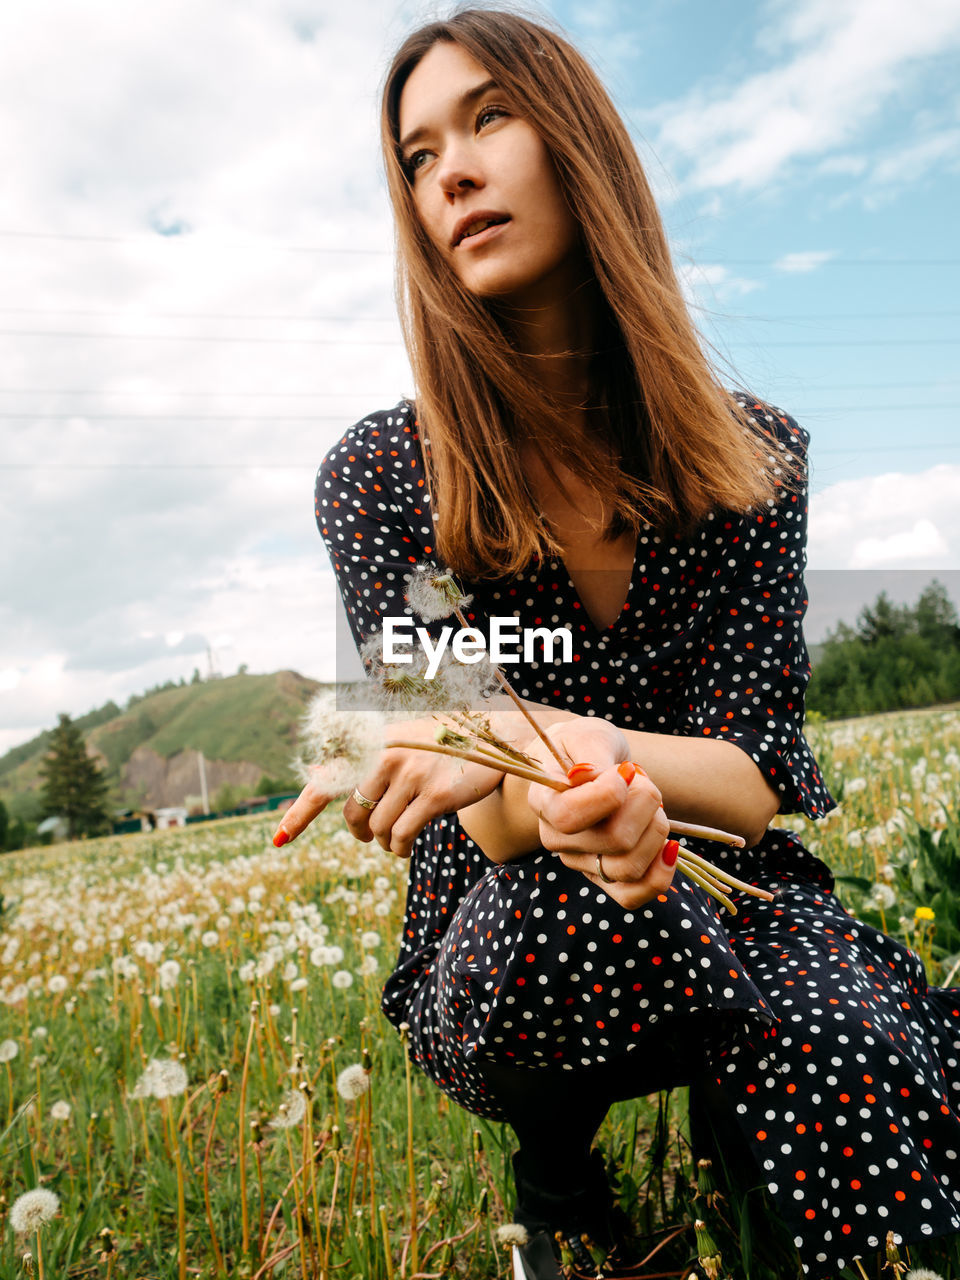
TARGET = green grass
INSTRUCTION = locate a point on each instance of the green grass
(83, 914)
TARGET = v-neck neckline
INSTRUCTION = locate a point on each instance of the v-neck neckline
(602, 632)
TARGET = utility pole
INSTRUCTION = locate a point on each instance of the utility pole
(203, 782)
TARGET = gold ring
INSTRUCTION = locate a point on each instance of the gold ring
(362, 800)
(600, 871)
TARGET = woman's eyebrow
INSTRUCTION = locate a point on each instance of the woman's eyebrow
(465, 100)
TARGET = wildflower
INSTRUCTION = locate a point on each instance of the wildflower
(433, 593)
(168, 974)
(298, 984)
(881, 896)
(511, 1234)
(210, 938)
(57, 984)
(368, 966)
(30, 1211)
(162, 1078)
(342, 979)
(352, 1082)
(922, 1273)
(60, 1110)
(924, 913)
(8, 1050)
(290, 1111)
(893, 1262)
(708, 1254)
(369, 939)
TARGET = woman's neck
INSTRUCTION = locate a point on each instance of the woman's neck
(559, 332)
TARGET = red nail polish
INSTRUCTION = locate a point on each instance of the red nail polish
(281, 838)
(580, 773)
(627, 771)
(671, 851)
(642, 772)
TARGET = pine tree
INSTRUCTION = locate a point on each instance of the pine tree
(74, 784)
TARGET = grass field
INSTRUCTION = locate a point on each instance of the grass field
(258, 971)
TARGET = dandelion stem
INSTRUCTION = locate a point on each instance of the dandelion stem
(218, 1257)
(242, 1149)
(521, 707)
(505, 766)
(39, 1257)
(385, 1232)
(181, 1196)
(723, 876)
(411, 1166)
(710, 886)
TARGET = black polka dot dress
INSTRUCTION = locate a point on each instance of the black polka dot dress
(841, 1063)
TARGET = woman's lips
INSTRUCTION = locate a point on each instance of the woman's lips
(482, 237)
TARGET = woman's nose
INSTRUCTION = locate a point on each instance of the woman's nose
(458, 170)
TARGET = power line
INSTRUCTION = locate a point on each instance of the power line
(394, 342)
(311, 466)
(313, 417)
(246, 245)
(327, 395)
(301, 317)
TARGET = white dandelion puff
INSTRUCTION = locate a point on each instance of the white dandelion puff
(57, 984)
(168, 975)
(510, 1234)
(30, 1211)
(339, 743)
(290, 1111)
(342, 979)
(162, 1078)
(922, 1273)
(433, 593)
(881, 897)
(8, 1050)
(352, 1082)
(369, 939)
(60, 1110)
(210, 938)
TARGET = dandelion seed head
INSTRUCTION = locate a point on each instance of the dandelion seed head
(162, 1078)
(57, 984)
(922, 1273)
(60, 1110)
(512, 1233)
(342, 979)
(290, 1111)
(352, 1082)
(31, 1210)
(8, 1050)
(433, 593)
(340, 741)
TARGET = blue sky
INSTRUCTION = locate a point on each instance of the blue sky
(195, 248)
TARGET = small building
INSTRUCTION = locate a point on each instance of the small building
(173, 816)
(57, 828)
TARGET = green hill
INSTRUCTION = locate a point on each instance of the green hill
(245, 726)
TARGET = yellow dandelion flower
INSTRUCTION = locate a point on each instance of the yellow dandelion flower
(924, 913)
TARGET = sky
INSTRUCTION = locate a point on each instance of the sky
(195, 249)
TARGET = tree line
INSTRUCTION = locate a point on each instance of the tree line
(895, 657)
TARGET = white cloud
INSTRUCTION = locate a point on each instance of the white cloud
(835, 65)
(804, 261)
(873, 523)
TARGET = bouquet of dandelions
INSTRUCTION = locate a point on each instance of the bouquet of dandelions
(343, 734)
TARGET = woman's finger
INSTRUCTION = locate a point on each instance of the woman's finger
(311, 801)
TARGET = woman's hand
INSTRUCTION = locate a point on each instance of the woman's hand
(410, 789)
(611, 820)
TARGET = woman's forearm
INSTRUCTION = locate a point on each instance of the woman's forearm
(701, 780)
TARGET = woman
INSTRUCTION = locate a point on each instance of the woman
(574, 459)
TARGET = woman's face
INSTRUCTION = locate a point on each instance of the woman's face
(484, 184)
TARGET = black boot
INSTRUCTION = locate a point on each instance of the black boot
(572, 1235)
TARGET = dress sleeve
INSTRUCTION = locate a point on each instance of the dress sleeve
(373, 513)
(749, 682)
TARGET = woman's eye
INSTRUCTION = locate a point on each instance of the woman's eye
(415, 161)
(488, 114)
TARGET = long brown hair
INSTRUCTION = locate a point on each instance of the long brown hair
(672, 444)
